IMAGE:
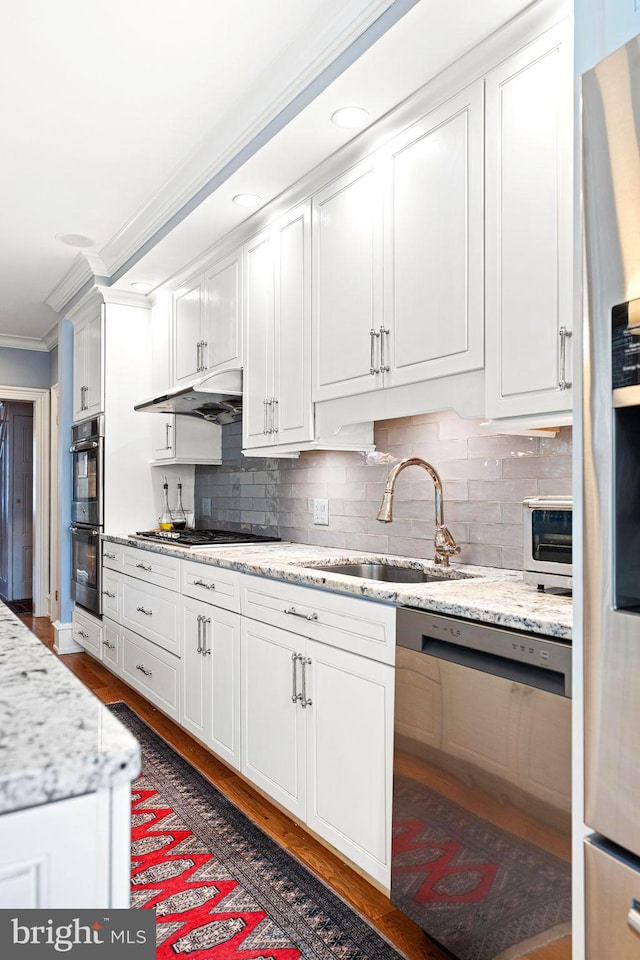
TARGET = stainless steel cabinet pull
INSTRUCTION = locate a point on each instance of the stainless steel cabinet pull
(198, 362)
(266, 425)
(167, 427)
(384, 367)
(84, 634)
(305, 701)
(564, 334)
(108, 593)
(205, 621)
(199, 633)
(303, 616)
(373, 369)
(142, 669)
(633, 917)
(201, 583)
(142, 566)
(111, 646)
(273, 403)
(110, 556)
(203, 362)
(295, 696)
(147, 613)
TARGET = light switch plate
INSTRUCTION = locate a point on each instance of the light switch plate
(206, 506)
(321, 513)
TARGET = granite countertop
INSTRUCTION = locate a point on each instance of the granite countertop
(490, 595)
(56, 739)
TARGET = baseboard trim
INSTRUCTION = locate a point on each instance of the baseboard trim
(64, 642)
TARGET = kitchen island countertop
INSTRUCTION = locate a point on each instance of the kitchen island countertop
(489, 595)
(57, 740)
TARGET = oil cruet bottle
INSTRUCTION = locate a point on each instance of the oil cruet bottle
(165, 520)
(179, 516)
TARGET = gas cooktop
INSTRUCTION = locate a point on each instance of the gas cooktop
(202, 538)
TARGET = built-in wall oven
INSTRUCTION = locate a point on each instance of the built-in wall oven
(87, 455)
(482, 786)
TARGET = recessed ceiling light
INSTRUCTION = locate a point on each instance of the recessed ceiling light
(143, 286)
(247, 199)
(350, 117)
(75, 240)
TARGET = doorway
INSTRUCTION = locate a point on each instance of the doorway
(16, 502)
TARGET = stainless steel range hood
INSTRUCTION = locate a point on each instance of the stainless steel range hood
(216, 397)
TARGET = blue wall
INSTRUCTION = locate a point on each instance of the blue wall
(53, 366)
(24, 368)
(65, 419)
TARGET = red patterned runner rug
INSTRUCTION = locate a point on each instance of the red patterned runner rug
(222, 889)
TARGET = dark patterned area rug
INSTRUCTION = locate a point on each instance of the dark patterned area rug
(222, 889)
(480, 891)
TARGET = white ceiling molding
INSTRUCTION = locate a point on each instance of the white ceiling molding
(50, 338)
(22, 343)
(127, 298)
(85, 267)
(87, 306)
(306, 58)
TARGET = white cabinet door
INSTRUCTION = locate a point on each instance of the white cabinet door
(529, 293)
(93, 394)
(259, 318)
(221, 653)
(292, 409)
(163, 430)
(187, 327)
(178, 439)
(349, 754)
(273, 725)
(434, 268)
(194, 670)
(79, 370)
(347, 282)
(222, 326)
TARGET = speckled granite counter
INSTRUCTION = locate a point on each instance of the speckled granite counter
(56, 739)
(489, 595)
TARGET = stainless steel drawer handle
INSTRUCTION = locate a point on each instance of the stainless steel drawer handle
(202, 583)
(141, 667)
(111, 646)
(303, 616)
(384, 367)
(110, 556)
(305, 701)
(633, 917)
(83, 633)
(295, 696)
(200, 619)
(109, 594)
(203, 362)
(564, 334)
(273, 407)
(147, 613)
(143, 566)
(205, 649)
(373, 369)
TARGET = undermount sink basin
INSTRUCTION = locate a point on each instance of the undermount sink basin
(390, 573)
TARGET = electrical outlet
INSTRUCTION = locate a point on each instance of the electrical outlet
(206, 506)
(321, 512)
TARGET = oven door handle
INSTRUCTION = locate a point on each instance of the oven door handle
(84, 445)
(93, 533)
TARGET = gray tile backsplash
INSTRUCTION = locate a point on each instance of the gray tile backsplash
(484, 478)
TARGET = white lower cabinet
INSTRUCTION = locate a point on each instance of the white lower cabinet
(111, 645)
(87, 631)
(211, 677)
(153, 671)
(317, 737)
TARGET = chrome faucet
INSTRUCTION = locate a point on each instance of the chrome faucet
(445, 545)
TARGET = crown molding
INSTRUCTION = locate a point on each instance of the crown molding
(252, 121)
(22, 343)
(50, 338)
(127, 298)
(87, 305)
(85, 267)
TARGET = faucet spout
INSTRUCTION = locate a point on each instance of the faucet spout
(445, 545)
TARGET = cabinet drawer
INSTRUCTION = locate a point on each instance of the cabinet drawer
(214, 585)
(111, 595)
(88, 633)
(112, 555)
(152, 612)
(361, 626)
(111, 645)
(152, 567)
(152, 671)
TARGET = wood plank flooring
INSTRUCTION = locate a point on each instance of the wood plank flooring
(364, 898)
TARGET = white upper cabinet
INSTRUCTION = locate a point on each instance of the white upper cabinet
(88, 394)
(433, 235)
(277, 407)
(347, 283)
(529, 258)
(207, 328)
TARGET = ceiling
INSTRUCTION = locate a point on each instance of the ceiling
(112, 127)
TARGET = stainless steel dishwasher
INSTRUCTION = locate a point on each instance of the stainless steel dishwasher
(482, 786)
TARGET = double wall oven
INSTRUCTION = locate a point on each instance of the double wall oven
(87, 512)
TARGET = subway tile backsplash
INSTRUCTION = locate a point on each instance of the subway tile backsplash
(484, 478)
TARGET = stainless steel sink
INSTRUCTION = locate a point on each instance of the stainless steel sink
(390, 573)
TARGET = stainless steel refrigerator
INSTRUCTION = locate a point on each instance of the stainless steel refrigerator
(611, 424)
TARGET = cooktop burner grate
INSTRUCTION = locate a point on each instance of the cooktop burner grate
(203, 538)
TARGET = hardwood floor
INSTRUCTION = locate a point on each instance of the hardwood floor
(366, 899)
